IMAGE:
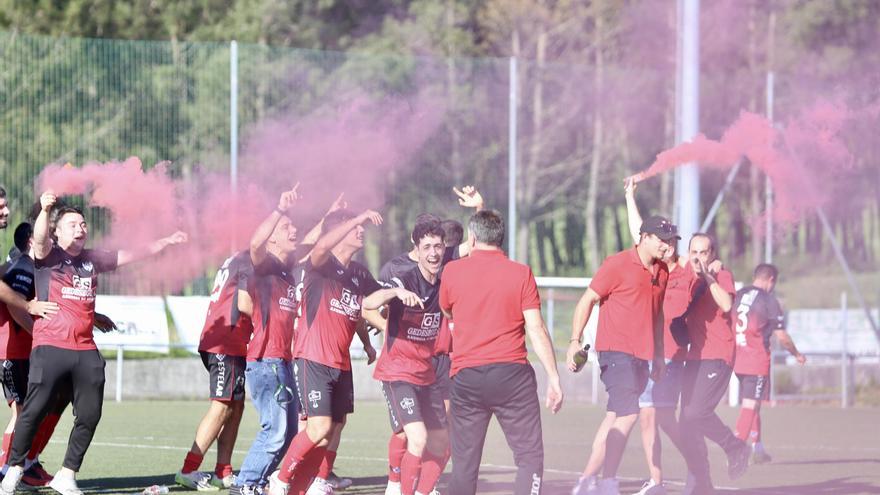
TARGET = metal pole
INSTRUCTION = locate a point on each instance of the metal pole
(233, 115)
(689, 177)
(844, 354)
(511, 162)
(717, 203)
(119, 359)
(768, 186)
(860, 299)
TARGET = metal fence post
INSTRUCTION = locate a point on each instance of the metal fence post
(844, 355)
(119, 359)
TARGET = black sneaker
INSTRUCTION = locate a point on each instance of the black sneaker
(738, 461)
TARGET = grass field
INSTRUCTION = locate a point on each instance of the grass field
(816, 450)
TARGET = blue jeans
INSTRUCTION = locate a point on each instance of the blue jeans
(271, 386)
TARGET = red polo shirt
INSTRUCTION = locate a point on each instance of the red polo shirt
(675, 302)
(710, 329)
(631, 297)
(487, 294)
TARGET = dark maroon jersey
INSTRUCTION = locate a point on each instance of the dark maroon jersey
(226, 330)
(272, 289)
(331, 308)
(758, 314)
(15, 341)
(411, 334)
(72, 282)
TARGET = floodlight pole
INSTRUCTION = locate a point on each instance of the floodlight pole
(768, 186)
(511, 162)
(688, 176)
(233, 115)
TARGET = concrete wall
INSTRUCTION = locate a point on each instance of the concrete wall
(184, 378)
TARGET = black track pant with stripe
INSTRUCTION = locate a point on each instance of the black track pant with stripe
(509, 392)
(53, 368)
(703, 386)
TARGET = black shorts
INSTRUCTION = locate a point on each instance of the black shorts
(755, 387)
(625, 377)
(443, 384)
(226, 375)
(409, 403)
(322, 390)
(15, 379)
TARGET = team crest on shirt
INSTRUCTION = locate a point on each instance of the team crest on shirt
(408, 404)
(355, 281)
(347, 305)
(88, 266)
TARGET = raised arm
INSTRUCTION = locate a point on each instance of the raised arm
(321, 252)
(720, 295)
(469, 197)
(315, 233)
(543, 347)
(582, 312)
(633, 217)
(42, 242)
(130, 256)
(264, 231)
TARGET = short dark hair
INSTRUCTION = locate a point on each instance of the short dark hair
(704, 235)
(422, 220)
(454, 232)
(766, 271)
(488, 227)
(335, 218)
(2, 192)
(424, 229)
(58, 213)
(22, 235)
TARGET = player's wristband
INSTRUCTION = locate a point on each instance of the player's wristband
(279, 211)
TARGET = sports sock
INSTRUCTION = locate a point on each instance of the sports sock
(396, 450)
(410, 467)
(7, 444)
(744, 423)
(44, 434)
(300, 446)
(191, 462)
(755, 434)
(432, 467)
(222, 470)
(306, 471)
(327, 464)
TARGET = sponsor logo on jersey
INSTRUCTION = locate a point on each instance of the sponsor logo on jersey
(429, 328)
(288, 303)
(347, 305)
(82, 289)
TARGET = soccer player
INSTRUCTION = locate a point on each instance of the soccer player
(494, 303)
(16, 326)
(271, 294)
(332, 288)
(63, 346)
(405, 366)
(630, 287)
(759, 316)
(223, 349)
(708, 366)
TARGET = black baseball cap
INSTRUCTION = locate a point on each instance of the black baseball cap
(661, 227)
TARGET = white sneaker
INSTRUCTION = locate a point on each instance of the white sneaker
(652, 488)
(586, 485)
(609, 486)
(11, 479)
(320, 487)
(276, 486)
(222, 483)
(393, 488)
(196, 480)
(65, 485)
